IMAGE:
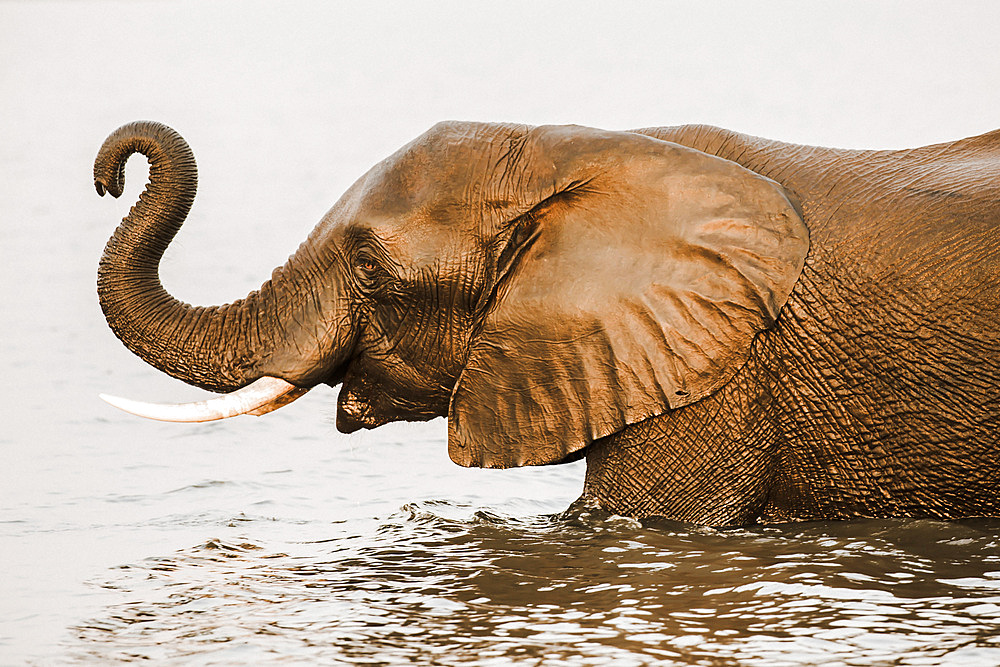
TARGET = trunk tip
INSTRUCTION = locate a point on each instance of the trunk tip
(113, 188)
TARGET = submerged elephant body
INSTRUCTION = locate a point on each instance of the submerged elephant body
(729, 329)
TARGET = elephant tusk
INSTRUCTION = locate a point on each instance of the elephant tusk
(257, 398)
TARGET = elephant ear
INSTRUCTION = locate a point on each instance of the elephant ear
(649, 270)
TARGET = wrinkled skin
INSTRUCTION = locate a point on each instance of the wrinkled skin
(729, 329)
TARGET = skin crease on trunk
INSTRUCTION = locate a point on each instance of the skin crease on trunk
(875, 393)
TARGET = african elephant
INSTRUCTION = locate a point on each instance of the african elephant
(730, 329)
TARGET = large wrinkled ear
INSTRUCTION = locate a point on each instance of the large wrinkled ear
(650, 269)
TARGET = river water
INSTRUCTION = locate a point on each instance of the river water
(280, 540)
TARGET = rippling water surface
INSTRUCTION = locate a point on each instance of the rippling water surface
(279, 540)
(439, 583)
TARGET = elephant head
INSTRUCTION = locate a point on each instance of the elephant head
(542, 287)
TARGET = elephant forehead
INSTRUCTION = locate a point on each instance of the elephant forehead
(417, 240)
(435, 174)
(419, 235)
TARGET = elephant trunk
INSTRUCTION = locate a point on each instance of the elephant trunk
(295, 327)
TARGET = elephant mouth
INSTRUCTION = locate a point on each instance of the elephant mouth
(365, 403)
(354, 408)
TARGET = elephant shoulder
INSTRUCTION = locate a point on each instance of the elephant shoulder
(786, 163)
(706, 138)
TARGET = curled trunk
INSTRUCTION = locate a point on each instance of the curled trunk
(280, 330)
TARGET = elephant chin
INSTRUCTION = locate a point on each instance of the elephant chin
(353, 416)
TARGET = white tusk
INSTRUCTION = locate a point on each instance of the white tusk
(257, 398)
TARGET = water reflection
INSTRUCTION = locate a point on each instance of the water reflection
(444, 583)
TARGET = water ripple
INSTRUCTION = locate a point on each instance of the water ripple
(447, 583)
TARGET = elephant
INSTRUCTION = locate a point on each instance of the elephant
(729, 329)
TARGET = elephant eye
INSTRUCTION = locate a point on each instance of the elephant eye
(368, 271)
